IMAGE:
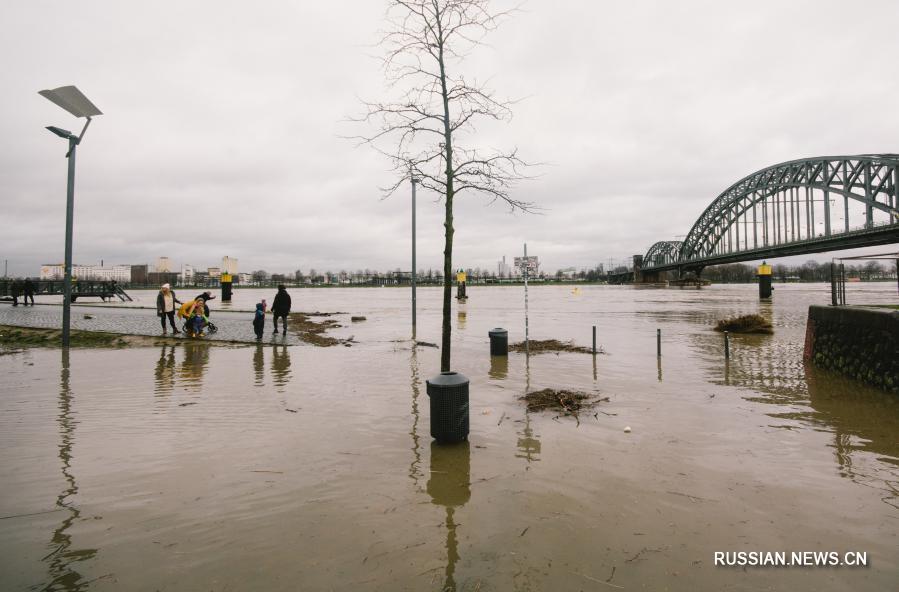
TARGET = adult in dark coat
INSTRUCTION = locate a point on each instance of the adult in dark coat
(281, 308)
(29, 291)
(15, 290)
(206, 296)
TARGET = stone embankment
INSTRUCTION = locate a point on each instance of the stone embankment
(859, 342)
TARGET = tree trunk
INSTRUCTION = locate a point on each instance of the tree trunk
(447, 285)
(448, 220)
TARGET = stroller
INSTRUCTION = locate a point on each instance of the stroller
(189, 329)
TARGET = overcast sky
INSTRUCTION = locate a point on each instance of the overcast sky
(222, 126)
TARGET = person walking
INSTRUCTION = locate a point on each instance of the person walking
(165, 307)
(29, 291)
(281, 308)
(15, 290)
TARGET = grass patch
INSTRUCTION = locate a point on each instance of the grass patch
(22, 337)
(313, 332)
(537, 346)
(752, 323)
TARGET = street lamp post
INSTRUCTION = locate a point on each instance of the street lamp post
(72, 100)
(414, 182)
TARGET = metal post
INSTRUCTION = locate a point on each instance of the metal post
(70, 211)
(842, 284)
(414, 182)
(726, 345)
(833, 283)
(594, 340)
(659, 343)
(527, 347)
(826, 183)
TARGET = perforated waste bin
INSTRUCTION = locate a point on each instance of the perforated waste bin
(448, 393)
(499, 342)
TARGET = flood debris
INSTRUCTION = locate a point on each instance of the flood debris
(751, 323)
(356, 319)
(541, 346)
(564, 401)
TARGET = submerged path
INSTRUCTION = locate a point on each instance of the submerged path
(232, 326)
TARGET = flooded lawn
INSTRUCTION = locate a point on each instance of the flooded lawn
(284, 466)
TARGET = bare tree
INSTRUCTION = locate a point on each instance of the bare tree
(425, 130)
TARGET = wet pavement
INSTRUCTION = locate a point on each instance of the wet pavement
(186, 467)
(232, 326)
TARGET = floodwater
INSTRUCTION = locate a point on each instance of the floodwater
(278, 467)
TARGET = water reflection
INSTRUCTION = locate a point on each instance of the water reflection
(461, 318)
(528, 442)
(449, 485)
(259, 364)
(193, 365)
(864, 421)
(499, 367)
(865, 426)
(280, 366)
(165, 370)
(658, 366)
(415, 466)
(62, 558)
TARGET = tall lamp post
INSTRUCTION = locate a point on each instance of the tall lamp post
(414, 182)
(72, 100)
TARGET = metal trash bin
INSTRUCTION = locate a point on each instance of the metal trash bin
(499, 342)
(448, 393)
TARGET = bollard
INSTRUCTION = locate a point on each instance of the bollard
(764, 275)
(499, 342)
(594, 340)
(659, 342)
(448, 392)
(226, 287)
(726, 345)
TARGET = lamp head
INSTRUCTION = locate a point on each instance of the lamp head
(60, 132)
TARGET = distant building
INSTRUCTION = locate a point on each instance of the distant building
(52, 271)
(187, 274)
(118, 273)
(163, 265)
(139, 274)
(229, 265)
(214, 272)
(244, 278)
(157, 278)
(503, 269)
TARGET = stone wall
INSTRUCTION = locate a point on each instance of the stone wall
(862, 343)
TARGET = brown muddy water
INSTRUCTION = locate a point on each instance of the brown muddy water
(270, 467)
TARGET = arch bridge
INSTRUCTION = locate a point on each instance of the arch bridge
(802, 206)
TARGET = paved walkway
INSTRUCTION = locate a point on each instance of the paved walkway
(233, 326)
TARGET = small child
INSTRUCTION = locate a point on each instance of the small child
(259, 320)
(197, 319)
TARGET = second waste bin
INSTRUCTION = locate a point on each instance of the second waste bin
(499, 342)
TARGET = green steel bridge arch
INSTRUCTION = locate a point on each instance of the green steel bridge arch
(802, 206)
